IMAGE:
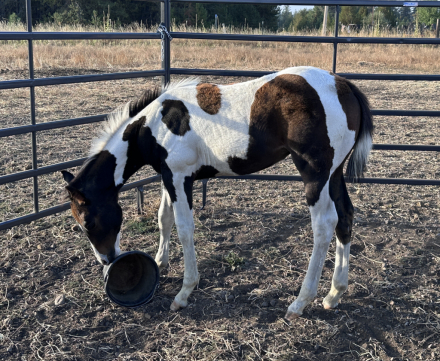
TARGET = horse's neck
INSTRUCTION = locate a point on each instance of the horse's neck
(97, 174)
(124, 147)
(138, 152)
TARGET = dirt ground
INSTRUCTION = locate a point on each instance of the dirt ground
(253, 242)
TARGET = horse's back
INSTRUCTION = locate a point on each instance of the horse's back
(245, 127)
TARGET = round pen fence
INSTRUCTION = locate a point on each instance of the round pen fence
(166, 71)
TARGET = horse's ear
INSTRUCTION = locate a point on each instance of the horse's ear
(76, 195)
(67, 176)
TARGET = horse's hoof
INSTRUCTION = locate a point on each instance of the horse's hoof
(291, 316)
(163, 270)
(328, 307)
(161, 266)
(175, 306)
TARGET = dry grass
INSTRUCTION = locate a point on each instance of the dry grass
(262, 229)
(145, 54)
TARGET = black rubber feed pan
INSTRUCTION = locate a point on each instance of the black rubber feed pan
(131, 279)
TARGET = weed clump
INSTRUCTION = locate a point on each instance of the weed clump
(233, 260)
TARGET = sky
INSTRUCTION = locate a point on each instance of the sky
(294, 8)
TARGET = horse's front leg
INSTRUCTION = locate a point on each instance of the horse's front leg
(166, 221)
(183, 215)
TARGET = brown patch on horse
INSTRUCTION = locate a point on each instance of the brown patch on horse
(77, 202)
(287, 116)
(209, 98)
(76, 212)
(349, 103)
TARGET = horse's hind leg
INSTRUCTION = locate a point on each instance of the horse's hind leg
(166, 221)
(324, 220)
(344, 207)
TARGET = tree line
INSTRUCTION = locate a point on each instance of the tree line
(270, 17)
(361, 16)
(122, 12)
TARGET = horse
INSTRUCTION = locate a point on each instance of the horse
(192, 130)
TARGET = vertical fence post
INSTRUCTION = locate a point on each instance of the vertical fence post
(32, 97)
(204, 188)
(335, 44)
(165, 11)
(437, 28)
(140, 198)
(324, 24)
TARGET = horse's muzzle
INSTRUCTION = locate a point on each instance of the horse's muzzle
(111, 256)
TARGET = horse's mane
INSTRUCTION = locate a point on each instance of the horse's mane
(192, 81)
(119, 117)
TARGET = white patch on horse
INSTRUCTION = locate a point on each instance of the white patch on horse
(120, 117)
(340, 275)
(102, 257)
(99, 256)
(185, 229)
(117, 245)
(166, 221)
(213, 138)
(341, 138)
(324, 220)
(361, 152)
(110, 136)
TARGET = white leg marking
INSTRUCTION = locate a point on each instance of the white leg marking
(324, 220)
(166, 221)
(185, 231)
(340, 276)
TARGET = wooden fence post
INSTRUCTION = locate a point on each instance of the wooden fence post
(437, 28)
(324, 24)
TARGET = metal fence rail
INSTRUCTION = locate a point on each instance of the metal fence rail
(167, 71)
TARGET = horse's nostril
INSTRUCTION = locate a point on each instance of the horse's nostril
(111, 256)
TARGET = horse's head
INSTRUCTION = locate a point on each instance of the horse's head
(99, 216)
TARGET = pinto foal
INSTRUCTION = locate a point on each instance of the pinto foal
(193, 130)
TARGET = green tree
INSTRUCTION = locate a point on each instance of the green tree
(9, 7)
(128, 11)
(71, 14)
(428, 16)
(300, 20)
(350, 15)
(312, 19)
(14, 19)
(285, 18)
(83, 11)
(404, 16)
(202, 15)
(230, 14)
(390, 15)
